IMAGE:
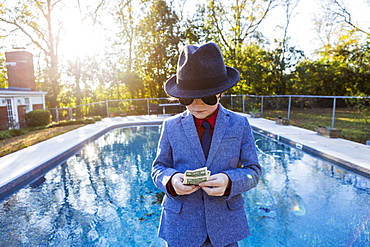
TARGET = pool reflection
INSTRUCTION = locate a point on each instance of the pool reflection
(102, 196)
(304, 201)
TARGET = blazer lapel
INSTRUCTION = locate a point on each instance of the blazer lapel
(222, 122)
(188, 125)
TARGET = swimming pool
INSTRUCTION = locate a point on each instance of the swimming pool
(104, 196)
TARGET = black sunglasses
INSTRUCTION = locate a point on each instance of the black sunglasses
(209, 100)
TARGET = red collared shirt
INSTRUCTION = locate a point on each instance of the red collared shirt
(212, 120)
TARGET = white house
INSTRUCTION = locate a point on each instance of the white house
(15, 103)
(20, 97)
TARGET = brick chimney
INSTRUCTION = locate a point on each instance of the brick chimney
(19, 65)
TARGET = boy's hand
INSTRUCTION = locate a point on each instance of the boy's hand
(181, 189)
(216, 185)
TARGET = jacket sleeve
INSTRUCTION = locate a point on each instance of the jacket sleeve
(247, 175)
(162, 169)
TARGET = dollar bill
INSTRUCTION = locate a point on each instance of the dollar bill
(196, 173)
(195, 180)
(194, 177)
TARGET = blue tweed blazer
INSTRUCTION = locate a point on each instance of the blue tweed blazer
(187, 220)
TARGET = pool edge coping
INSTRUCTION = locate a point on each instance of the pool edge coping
(347, 165)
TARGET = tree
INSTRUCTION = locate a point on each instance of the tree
(233, 24)
(342, 51)
(284, 58)
(334, 20)
(3, 77)
(34, 20)
(87, 14)
(255, 71)
(340, 11)
(341, 70)
(126, 17)
(157, 51)
(193, 24)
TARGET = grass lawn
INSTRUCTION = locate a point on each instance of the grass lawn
(14, 144)
(355, 125)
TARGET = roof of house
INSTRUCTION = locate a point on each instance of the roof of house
(19, 91)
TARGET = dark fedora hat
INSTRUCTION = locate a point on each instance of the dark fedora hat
(201, 72)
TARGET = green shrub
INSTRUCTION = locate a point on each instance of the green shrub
(89, 120)
(74, 122)
(12, 133)
(5, 134)
(38, 118)
(17, 132)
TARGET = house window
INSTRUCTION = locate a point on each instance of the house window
(27, 104)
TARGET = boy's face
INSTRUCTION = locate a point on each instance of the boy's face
(201, 110)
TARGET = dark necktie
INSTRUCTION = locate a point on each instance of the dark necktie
(206, 137)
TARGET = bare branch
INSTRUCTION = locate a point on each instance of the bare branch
(40, 7)
(288, 15)
(253, 27)
(219, 29)
(53, 5)
(347, 18)
(19, 27)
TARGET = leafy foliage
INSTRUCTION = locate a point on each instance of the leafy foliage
(11, 133)
(3, 80)
(148, 34)
(160, 37)
(38, 118)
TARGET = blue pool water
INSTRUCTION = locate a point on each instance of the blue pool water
(104, 196)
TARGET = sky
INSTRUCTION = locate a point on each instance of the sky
(302, 27)
(301, 30)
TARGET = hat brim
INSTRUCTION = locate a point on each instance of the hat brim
(172, 89)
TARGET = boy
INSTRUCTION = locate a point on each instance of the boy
(210, 213)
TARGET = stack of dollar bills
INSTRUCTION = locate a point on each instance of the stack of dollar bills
(196, 176)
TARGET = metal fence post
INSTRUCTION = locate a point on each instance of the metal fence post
(243, 100)
(290, 103)
(57, 114)
(148, 106)
(333, 115)
(70, 113)
(107, 107)
(262, 106)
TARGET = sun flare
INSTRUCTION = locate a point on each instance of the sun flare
(82, 38)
